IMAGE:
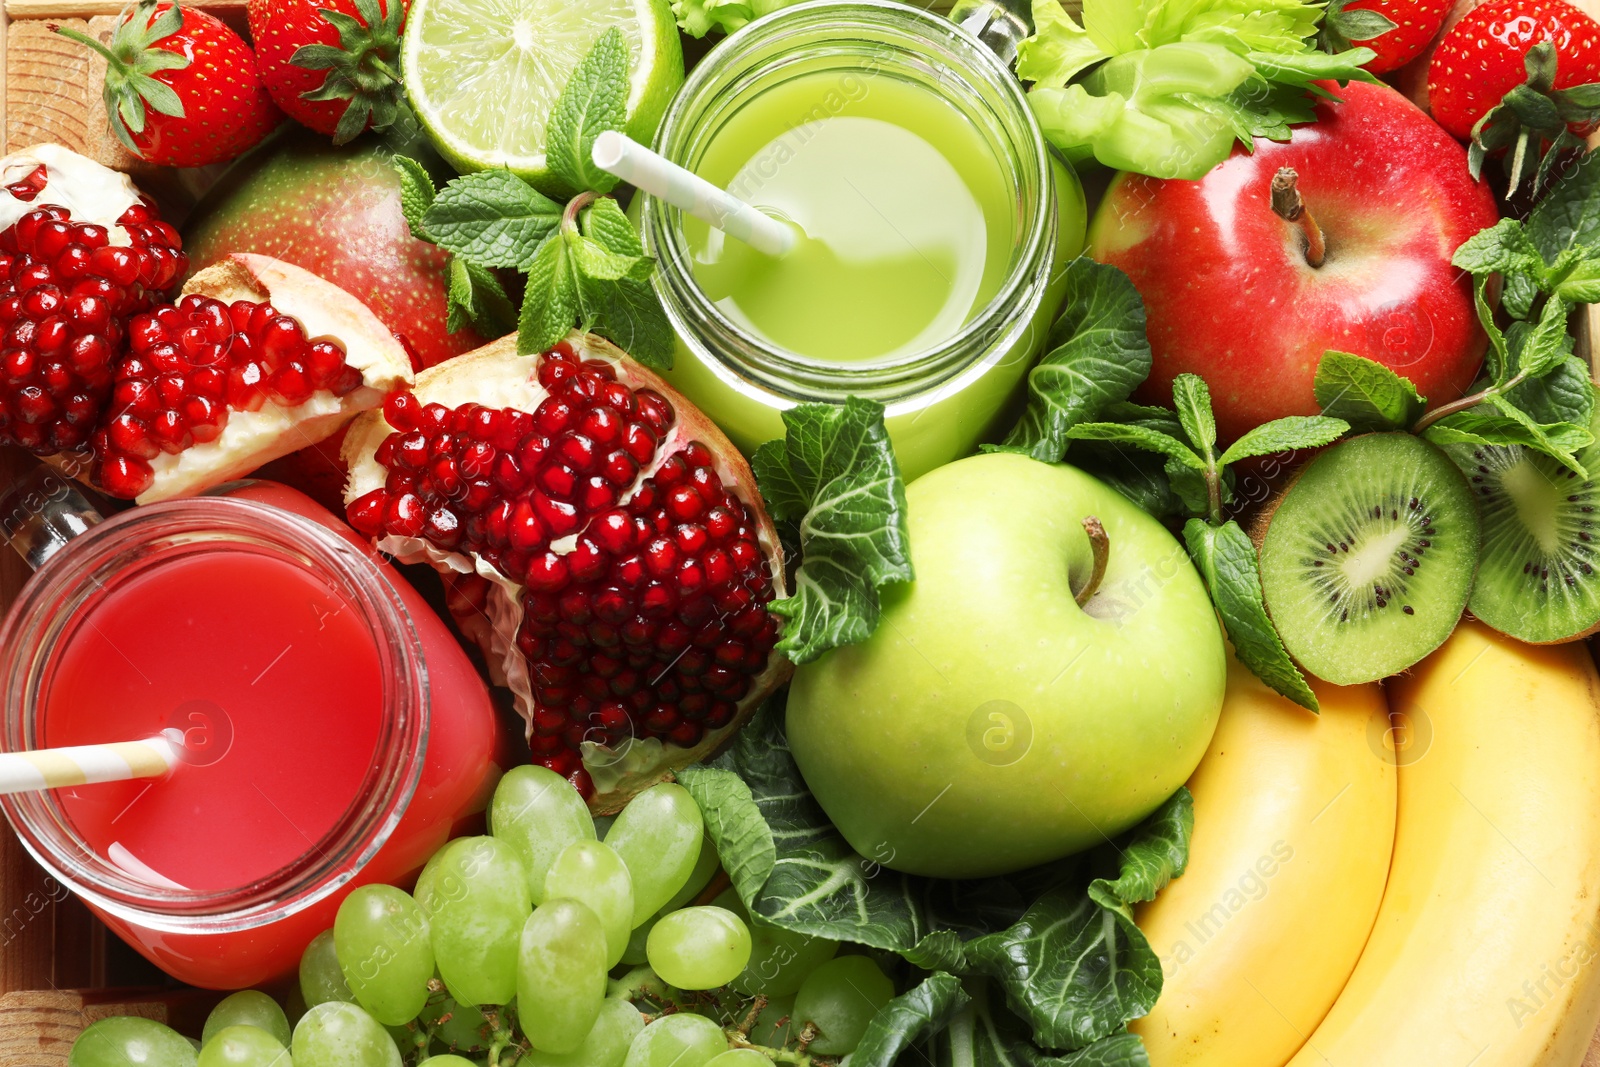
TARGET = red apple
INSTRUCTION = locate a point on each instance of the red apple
(1229, 285)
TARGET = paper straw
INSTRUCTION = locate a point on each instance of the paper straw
(631, 161)
(57, 768)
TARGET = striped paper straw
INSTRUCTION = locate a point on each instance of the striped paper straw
(618, 154)
(57, 768)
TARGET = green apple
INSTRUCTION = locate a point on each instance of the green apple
(990, 723)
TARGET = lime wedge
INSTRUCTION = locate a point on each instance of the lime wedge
(484, 75)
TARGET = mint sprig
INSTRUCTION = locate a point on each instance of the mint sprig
(1221, 550)
(584, 262)
(835, 479)
(475, 296)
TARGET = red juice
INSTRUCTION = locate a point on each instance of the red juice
(250, 638)
(274, 668)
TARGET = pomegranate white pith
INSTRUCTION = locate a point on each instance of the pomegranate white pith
(248, 414)
(611, 537)
(92, 193)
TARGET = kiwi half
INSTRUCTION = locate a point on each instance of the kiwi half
(1537, 577)
(1368, 557)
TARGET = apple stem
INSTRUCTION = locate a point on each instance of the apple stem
(1288, 205)
(1100, 546)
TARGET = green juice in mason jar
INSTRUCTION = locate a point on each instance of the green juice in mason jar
(933, 224)
(904, 212)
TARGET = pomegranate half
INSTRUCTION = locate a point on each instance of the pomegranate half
(259, 358)
(608, 537)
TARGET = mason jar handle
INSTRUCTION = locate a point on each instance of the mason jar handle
(41, 512)
(1002, 25)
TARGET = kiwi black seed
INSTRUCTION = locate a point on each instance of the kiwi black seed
(1368, 557)
(1539, 571)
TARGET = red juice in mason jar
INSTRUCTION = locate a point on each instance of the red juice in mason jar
(335, 732)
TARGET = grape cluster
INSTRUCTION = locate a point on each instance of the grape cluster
(550, 943)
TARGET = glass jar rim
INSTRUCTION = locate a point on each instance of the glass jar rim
(50, 600)
(1031, 161)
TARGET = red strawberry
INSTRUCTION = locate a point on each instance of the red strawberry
(1398, 30)
(82, 253)
(182, 88)
(1518, 75)
(333, 68)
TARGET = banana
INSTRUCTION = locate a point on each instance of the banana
(1485, 948)
(1294, 815)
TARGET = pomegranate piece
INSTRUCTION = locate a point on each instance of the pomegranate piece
(257, 359)
(81, 251)
(608, 533)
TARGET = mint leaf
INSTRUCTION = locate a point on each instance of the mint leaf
(596, 262)
(1535, 351)
(924, 1009)
(493, 218)
(1098, 354)
(1286, 435)
(1568, 216)
(1479, 427)
(416, 194)
(594, 100)
(1365, 394)
(1495, 359)
(835, 474)
(477, 298)
(1139, 437)
(629, 313)
(550, 302)
(1581, 285)
(604, 221)
(1227, 561)
(1565, 393)
(734, 822)
(1158, 853)
(1192, 400)
(1503, 248)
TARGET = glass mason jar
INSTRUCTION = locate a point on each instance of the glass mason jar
(941, 400)
(436, 757)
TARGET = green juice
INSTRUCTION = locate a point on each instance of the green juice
(905, 217)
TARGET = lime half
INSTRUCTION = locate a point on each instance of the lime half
(484, 75)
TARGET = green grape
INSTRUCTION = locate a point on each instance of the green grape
(124, 1040)
(639, 983)
(677, 1041)
(538, 813)
(704, 867)
(699, 948)
(774, 1026)
(244, 1046)
(658, 836)
(779, 959)
(247, 1008)
(449, 1059)
(342, 1035)
(475, 895)
(463, 1026)
(385, 952)
(606, 1045)
(591, 872)
(321, 978)
(740, 1057)
(561, 974)
(839, 998)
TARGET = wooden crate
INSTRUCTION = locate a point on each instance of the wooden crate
(59, 967)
